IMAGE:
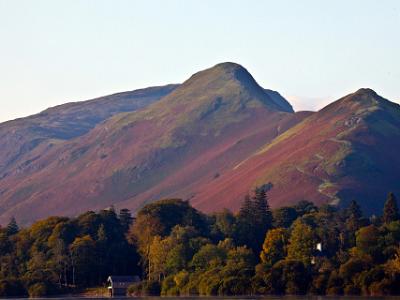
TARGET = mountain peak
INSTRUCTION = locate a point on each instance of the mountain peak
(365, 97)
(230, 81)
(229, 66)
(362, 102)
(223, 71)
(365, 92)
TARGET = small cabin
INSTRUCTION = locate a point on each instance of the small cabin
(118, 285)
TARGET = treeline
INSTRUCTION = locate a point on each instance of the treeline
(177, 250)
(58, 254)
(300, 249)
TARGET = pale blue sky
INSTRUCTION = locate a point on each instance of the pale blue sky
(312, 52)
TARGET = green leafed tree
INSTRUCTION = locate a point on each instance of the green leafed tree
(274, 247)
(301, 243)
(284, 216)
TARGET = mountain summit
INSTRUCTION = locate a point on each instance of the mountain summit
(232, 80)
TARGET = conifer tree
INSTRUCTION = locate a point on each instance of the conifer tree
(255, 219)
(125, 218)
(246, 210)
(390, 210)
(12, 227)
(262, 211)
(354, 209)
(354, 214)
(246, 222)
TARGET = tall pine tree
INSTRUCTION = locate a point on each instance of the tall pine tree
(262, 211)
(354, 215)
(390, 210)
(245, 222)
(254, 220)
(125, 218)
(12, 227)
(246, 210)
(262, 217)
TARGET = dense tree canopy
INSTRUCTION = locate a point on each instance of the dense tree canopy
(178, 250)
(59, 254)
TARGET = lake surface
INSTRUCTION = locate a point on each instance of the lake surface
(227, 298)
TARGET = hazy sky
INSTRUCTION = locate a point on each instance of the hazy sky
(312, 52)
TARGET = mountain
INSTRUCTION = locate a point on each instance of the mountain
(211, 140)
(192, 135)
(348, 150)
(21, 137)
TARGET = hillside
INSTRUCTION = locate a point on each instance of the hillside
(22, 137)
(346, 151)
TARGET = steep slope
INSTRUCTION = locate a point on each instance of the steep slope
(348, 150)
(19, 138)
(190, 137)
(281, 102)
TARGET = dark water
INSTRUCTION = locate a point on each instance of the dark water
(228, 298)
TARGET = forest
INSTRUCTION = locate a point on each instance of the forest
(178, 250)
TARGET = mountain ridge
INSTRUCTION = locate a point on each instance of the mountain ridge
(218, 132)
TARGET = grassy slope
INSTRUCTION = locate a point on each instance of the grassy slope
(348, 150)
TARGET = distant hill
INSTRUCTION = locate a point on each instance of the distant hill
(211, 139)
(64, 122)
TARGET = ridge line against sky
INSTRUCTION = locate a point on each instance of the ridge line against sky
(312, 52)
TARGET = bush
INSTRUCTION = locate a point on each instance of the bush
(209, 284)
(351, 290)
(380, 288)
(192, 287)
(234, 286)
(152, 288)
(11, 288)
(369, 277)
(290, 276)
(181, 279)
(135, 289)
(352, 267)
(167, 285)
(145, 288)
(335, 284)
(173, 291)
(37, 290)
(319, 284)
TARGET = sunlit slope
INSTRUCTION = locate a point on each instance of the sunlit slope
(348, 150)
